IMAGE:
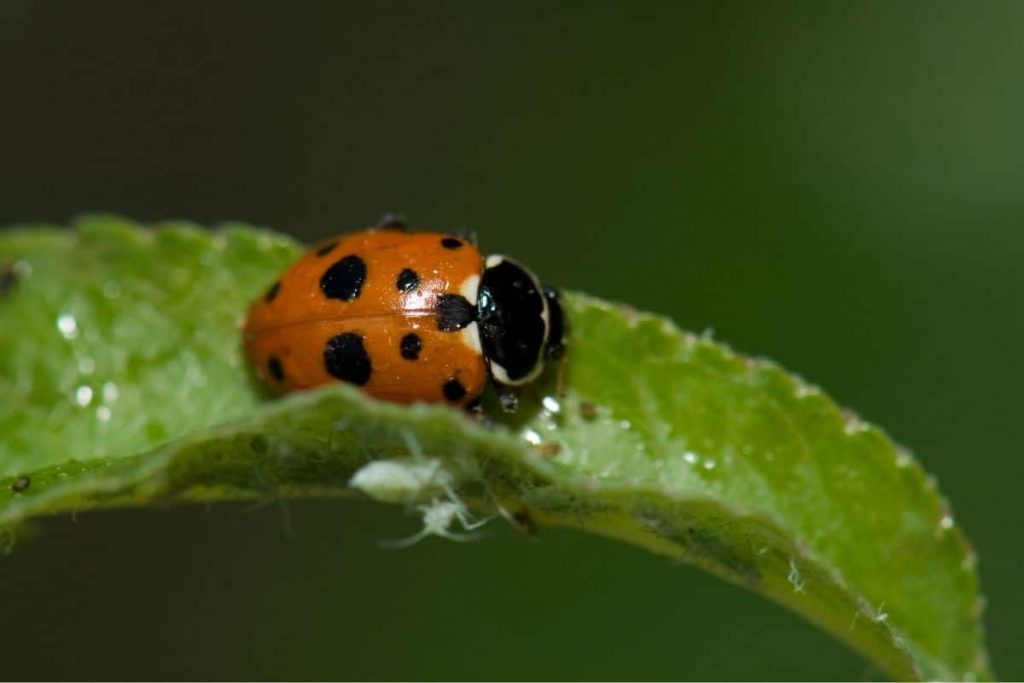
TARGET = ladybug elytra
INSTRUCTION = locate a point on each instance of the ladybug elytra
(405, 316)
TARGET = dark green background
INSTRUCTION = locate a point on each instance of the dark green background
(837, 186)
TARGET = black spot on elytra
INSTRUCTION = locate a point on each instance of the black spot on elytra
(407, 280)
(453, 390)
(345, 357)
(20, 484)
(411, 346)
(451, 243)
(344, 279)
(326, 249)
(275, 368)
(453, 312)
(272, 292)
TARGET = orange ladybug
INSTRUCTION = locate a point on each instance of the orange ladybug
(407, 317)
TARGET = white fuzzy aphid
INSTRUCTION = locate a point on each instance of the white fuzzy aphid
(414, 480)
(439, 516)
(403, 480)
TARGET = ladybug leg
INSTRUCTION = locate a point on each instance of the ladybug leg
(555, 351)
(392, 221)
(508, 397)
(524, 522)
(466, 235)
(476, 411)
(555, 347)
(560, 378)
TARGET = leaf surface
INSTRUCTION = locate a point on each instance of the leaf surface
(122, 383)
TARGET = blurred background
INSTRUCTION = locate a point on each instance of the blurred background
(837, 186)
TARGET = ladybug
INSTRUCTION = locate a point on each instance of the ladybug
(406, 316)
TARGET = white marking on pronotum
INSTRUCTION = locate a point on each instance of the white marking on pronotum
(500, 373)
(470, 335)
(471, 289)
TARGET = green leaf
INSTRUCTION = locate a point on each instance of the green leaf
(122, 383)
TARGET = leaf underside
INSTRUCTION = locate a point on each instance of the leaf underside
(122, 384)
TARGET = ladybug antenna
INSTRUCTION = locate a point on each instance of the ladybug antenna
(466, 235)
(392, 221)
